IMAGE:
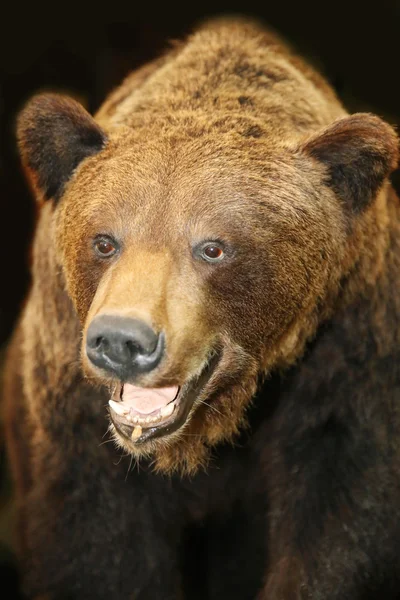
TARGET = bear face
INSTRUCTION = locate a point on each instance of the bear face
(197, 259)
(185, 254)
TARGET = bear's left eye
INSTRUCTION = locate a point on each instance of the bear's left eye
(105, 246)
(211, 252)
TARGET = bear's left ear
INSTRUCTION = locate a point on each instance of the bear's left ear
(359, 152)
(55, 133)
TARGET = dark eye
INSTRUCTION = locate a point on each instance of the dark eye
(105, 246)
(212, 252)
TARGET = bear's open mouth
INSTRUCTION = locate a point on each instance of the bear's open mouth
(142, 414)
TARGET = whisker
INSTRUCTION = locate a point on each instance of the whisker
(129, 468)
(121, 457)
(212, 407)
(106, 442)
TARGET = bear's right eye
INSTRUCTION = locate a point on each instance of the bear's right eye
(105, 247)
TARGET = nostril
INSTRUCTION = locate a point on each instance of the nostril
(133, 348)
(99, 343)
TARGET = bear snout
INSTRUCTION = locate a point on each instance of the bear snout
(123, 347)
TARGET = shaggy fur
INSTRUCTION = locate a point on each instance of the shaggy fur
(283, 481)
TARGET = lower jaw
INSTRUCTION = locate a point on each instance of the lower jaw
(141, 433)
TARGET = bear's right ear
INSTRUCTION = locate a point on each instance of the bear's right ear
(359, 152)
(55, 134)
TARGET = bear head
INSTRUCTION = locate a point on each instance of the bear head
(198, 258)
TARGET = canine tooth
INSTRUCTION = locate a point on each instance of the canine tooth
(166, 411)
(120, 410)
(136, 433)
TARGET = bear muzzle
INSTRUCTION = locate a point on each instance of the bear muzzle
(126, 349)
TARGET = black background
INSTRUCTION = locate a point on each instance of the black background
(86, 49)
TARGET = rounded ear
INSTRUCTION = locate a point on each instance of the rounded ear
(359, 152)
(55, 134)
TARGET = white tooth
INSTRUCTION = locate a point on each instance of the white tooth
(118, 408)
(136, 433)
(148, 420)
(135, 419)
(166, 411)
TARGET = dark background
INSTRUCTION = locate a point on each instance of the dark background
(86, 50)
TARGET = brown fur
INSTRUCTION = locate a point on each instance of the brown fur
(228, 137)
(199, 150)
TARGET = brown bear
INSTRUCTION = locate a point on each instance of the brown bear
(216, 272)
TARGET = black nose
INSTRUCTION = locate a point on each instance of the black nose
(123, 347)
